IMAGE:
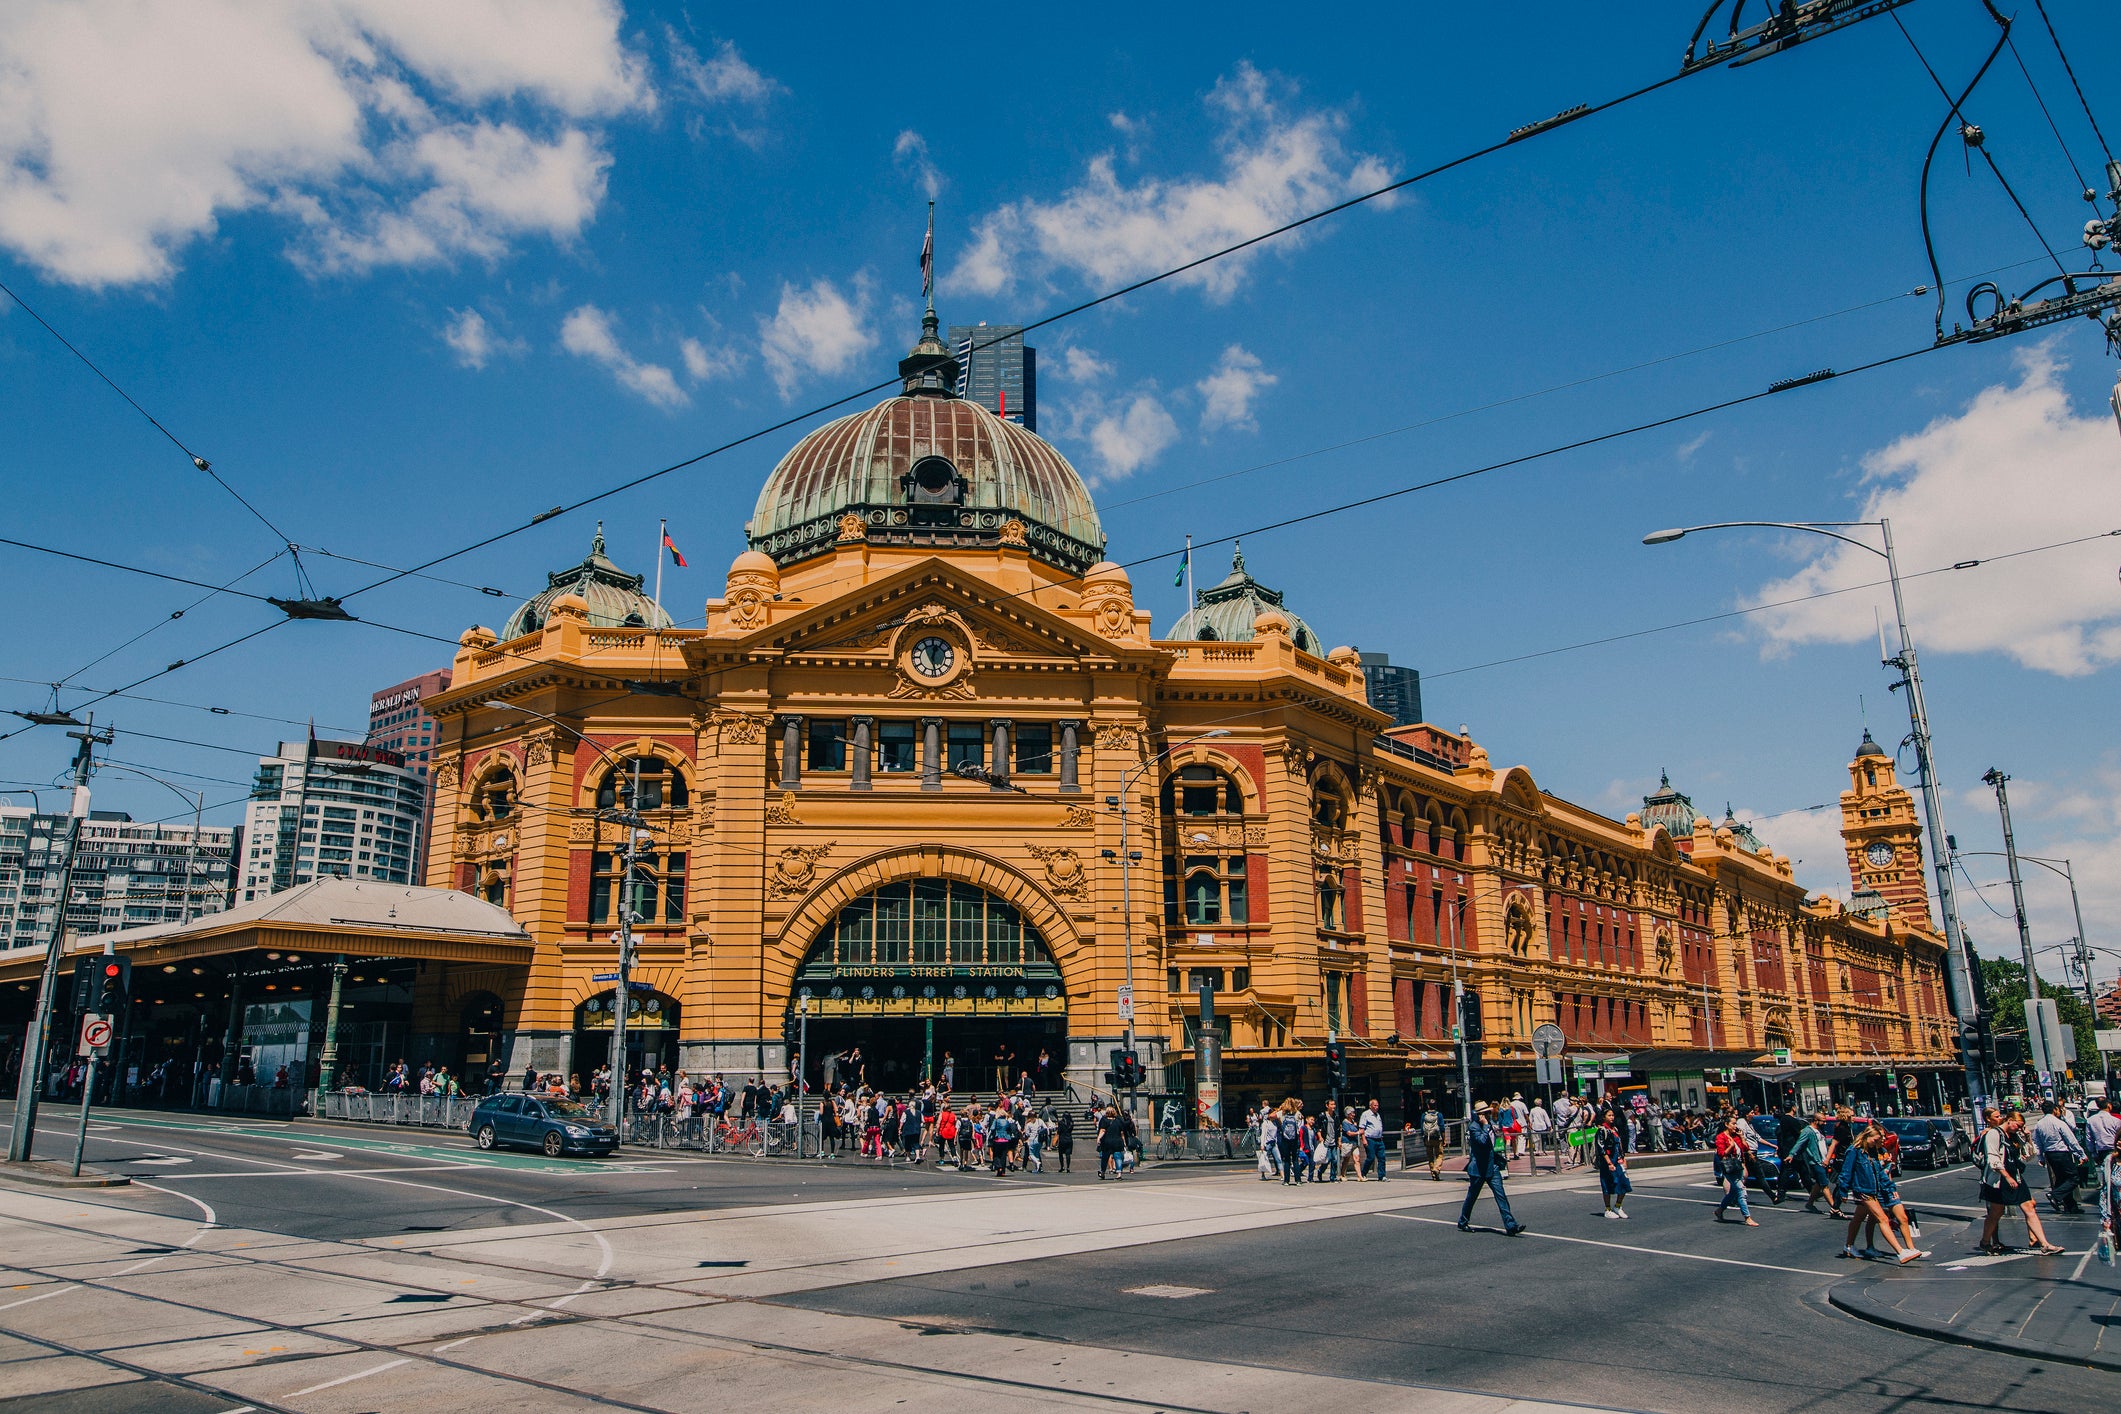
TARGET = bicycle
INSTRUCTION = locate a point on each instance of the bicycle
(745, 1135)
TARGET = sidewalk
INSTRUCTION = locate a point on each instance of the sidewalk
(2065, 1308)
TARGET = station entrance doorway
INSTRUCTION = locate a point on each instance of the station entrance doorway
(928, 977)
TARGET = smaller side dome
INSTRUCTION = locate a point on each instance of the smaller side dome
(1270, 622)
(568, 606)
(1870, 746)
(1228, 610)
(1345, 657)
(754, 567)
(610, 597)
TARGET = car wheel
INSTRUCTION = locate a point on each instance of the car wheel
(553, 1143)
(486, 1136)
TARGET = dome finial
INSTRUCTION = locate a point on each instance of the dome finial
(928, 370)
(1237, 557)
(596, 544)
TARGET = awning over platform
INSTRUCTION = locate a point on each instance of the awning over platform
(329, 915)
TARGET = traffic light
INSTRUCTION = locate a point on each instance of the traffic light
(1126, 1069)
(2010, 1051)
(1469, 1017)
(1337, 1064)
(86, 975)
(791, 1032)
(114, 984)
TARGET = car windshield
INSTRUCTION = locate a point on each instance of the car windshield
(1910, 1128)
(1765, 1127)
(569, 1109)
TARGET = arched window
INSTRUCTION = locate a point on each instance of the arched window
(494, 797)
(657, 894)
(492, 883)
(1330, 914)
(929, 923)
(662, 785)
(1202, 790)
(1213, 890)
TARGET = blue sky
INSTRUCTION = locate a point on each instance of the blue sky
(407, 275)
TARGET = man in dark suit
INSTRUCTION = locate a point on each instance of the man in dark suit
(1484, 1166)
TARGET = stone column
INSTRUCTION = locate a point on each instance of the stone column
(791, 753)
(931, 753)
(998, 753)
(1070, 755)
(862, 749)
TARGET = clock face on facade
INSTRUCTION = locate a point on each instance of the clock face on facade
(1879, 854)
(932, 657)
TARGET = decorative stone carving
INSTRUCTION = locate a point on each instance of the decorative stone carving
(741, 728)
(796, 868)
(447, 774)
(1111, 610)
(782, 811)
(1121, 739)
(1517, 927)
(581, 831)
(1367, 782)
(1080, 817)
(1296, 757)
(1255, 836)
(959, 689)
(541, 748)
(1064, 869)
(1013, 533)
(746, 607)
(853, 529)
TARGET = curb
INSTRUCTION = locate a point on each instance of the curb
(44, 1173)
(1880, 1316)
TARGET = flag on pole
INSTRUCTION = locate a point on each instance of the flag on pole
(928, 256)
(676, 556)
(1185, 562)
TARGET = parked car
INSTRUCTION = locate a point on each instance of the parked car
(556, 1126)
(1765, 1167)
(1921, 1147)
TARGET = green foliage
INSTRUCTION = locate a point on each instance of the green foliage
(2004, 982)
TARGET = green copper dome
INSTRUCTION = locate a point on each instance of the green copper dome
(1226, 611)
(614, 597)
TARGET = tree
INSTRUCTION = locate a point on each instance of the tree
(2004, 981)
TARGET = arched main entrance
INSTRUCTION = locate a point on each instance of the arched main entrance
(927, 973)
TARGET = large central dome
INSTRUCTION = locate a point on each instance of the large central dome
(927, 468)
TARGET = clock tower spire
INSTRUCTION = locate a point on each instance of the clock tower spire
(1884, 840)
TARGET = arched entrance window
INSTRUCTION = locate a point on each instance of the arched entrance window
(662, 785)
(927, 969)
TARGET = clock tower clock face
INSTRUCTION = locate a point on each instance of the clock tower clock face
(932, 657)
(1880, 855)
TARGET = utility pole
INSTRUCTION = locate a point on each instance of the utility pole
(1458, 1021)
(1996, 779)
(630, 817)
(36, 1038)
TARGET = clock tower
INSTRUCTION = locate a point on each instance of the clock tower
(1884, 839)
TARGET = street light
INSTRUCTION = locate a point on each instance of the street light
(1958, 956)
(1126, 874)
(629, 817)
(2084, 948)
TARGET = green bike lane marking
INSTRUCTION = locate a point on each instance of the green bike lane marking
(469, 1157)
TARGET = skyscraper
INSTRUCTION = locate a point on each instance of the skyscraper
(397, 722)
(1390, 689)
(127, 873)
(1001, 377)
(332, 807)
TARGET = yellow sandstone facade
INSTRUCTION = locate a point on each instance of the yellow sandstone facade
(901, 770)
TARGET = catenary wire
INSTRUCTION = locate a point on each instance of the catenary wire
(1388, 189)
(2071, 70)
(2067, 156)
(198, 461)
(167, 620)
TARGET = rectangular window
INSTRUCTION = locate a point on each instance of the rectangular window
(1211, 975)
(967, 746)
(1034, 749)
(1234, 886)
(828, 745)
(1333, 994)
(674, 889)
(1203, 891)
(1240, 978)
(897, 750)
(600, 872)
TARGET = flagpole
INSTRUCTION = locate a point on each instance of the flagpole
(1189, 574)
(662, 533)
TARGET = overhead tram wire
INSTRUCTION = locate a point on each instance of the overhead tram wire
(168, 619)
(2071, 70)
(1518, 135)
(196, 460)
(190, 706)
(2091, 195)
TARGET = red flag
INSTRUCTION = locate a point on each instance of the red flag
(672, 547)
(928, 255)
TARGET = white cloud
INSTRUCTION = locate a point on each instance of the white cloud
(130, 130)
(1126, 434)
(2018, 468)
(910, 152)
(1685, 450)
(1811, 839)
(1227, 393)
(814, 330)
(1276, 164)
(1082, 365)
(703, 364)
(588, 332)
(474, 341)
(725, 77)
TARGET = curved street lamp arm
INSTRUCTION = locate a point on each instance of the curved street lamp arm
(1816, 527)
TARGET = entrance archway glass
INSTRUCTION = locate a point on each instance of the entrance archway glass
(927, 972)
(651, 1033)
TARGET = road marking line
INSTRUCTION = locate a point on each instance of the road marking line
(455, 1343)
(1630, 1247)
(44, 1296)
(349, 1379)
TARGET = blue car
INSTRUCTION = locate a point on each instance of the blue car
(1765, 1167)
(556, 1126)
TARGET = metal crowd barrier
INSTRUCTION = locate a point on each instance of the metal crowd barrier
(413, 1111)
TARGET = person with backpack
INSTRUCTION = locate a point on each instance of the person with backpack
(1289, 1140)
(1732, 1151)
(1610, 1153)
(1111, 1141)
(1001, 1139)
(1432, 1137)
(1064, 1141)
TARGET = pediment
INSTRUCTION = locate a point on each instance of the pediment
(864, 624)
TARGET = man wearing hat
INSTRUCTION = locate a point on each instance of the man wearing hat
(1485, 1166)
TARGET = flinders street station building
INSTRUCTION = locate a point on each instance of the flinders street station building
(930, 776)
(928, 782)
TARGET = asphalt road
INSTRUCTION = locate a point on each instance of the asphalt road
(1188, 1279)
(1665, 1311)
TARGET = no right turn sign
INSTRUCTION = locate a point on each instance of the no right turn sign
(95, 1035)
